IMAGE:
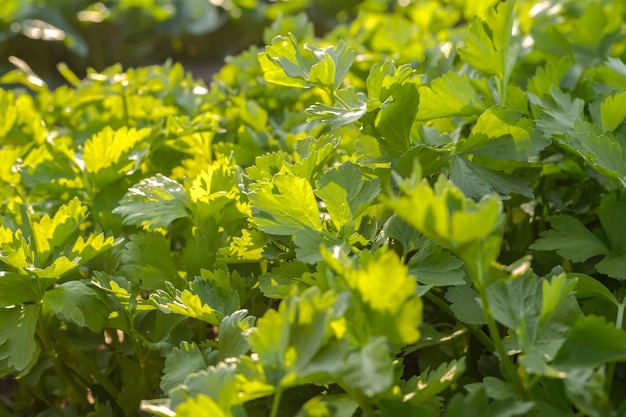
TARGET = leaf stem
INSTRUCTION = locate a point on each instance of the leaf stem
(508, 367)
(475, 331)
(276, 402)
(340, 100)
(610, 368)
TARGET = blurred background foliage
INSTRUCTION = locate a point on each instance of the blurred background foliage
(199, 33)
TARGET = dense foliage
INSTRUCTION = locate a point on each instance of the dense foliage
(420, 214)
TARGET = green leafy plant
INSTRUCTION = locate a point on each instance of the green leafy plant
(337, 226)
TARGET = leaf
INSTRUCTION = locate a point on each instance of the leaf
(199, 405)
(383, 284)
(449, 95)
(368, 368)
(94, 245)
(394, 121)
(489, 47)
(232, 342)
(432, 382)
(613, 111)
(554, 293)
(502, 133)
(112, 154)
(183, 361)
(147, 261)
(587, 286)
(277, 283)
(433, 266)
(560, 113)
(399, 230)
(285, 205)
(154, 203)
(288, 339)
(336, 405)
(602, 153)
(549, 75)
(587, 390)
(446, 215)
(205, 300)
(464, 303)
(571, 240)
(591, 342)
(516, 300)
(53, 233)
(79, 303)
(335, 115)
(346, 194)
(18, 348)
(16, 289)
(610, 212)
(283, 64)
(477, 181)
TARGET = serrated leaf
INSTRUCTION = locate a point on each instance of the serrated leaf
(335, 115)
(601, 152)
(111, 154)
(154, 203)
(465, 305)
(18, 347)
(401, 231)
(591, 342)
(446, 215)
(432, 382)
(183, 361)
(613, 111)
(561, 113)
(388, 293)
(346, 194)
(571, 240)
(147, 261)
(285, 205)
(201, 304)
(505, 134)
(550, 75)
(77, 302)
(283, 64)
(277, 282)
(433, 266)
(232, 342)
(288, 339)
(488, 47)
(16, 289)
(393, 123)
(477, 181)
(515, 300)
(450, 95)
(53, 233)
(94, 245)
(554, 293)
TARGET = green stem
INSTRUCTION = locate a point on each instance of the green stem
(32, 391)
(276, 402)
(508, 367)
(610, 369)
(358, 396)
(60, 367)
(475, 331)
(86, 363)
(340, 100)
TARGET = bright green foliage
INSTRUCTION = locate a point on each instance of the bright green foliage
(154, 203)
(419, 214)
